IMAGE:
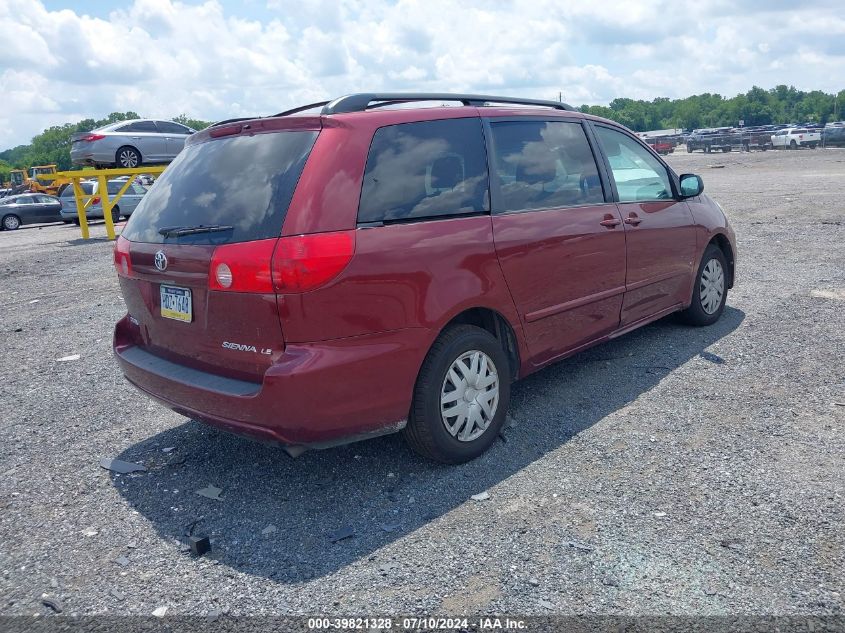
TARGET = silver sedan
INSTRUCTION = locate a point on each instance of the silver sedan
(129, 143)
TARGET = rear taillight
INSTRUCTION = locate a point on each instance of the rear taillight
(95, 200)
(122, 260)
(285, 265)
(305, 262)
(243, 267)
(92, 137)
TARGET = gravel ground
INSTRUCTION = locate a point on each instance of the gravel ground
(672, 471)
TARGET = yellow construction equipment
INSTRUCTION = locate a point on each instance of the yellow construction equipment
(102, 176)
(46, 179)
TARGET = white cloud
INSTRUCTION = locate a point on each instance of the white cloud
(217, 60)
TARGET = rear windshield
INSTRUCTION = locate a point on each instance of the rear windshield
(87, 188)
(242, 182)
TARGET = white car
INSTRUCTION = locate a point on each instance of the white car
(124, 207)
(795, 137)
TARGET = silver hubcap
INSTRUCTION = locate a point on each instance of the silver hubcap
(469, 396)
(128, 158)
(11, 223)
(712, 286)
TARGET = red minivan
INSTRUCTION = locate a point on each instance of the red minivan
(314, 279)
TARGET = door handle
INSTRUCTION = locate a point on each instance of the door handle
(633, 220)
(610, 222)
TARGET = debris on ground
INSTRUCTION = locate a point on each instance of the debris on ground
(117, 595)
(270, 529)
(65, 359)
(168, 449)
(713, 358)
(345, 532)
(122, 561)
(160, 612)
(210, 492)
(533, 582)
(121, 467)
(481, 496)
(53, 603)
(581, 546)
(89, 531)
(390, 527)
(199, 545)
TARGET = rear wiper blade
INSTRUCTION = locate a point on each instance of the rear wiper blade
(176, 231)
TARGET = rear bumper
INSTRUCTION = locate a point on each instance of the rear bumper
(316, 395)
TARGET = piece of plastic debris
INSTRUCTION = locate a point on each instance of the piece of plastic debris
(660, 515)
(122, 561)
(390, 527)
(89, 531)
(270, 529)
(481, 496)
(345, 532)
(121, 467)
(211, 492)
(168, 449)
(65, 359)
(581, 546)
(116, 594)
(53, 603)
(34, 301)
(199, 545)
(160, 612)
(713, 358)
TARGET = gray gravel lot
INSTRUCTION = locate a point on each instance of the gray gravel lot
(673, 471)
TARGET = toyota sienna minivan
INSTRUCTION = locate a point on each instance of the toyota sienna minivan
(311, 279)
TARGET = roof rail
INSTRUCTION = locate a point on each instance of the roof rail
(224, 122)
(359, 102)
(302, 108)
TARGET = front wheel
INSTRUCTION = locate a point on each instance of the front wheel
(793, 145)
(461, 396)
(711, 290)
(11, 223)
(127, 157)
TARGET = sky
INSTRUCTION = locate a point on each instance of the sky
(63, 61)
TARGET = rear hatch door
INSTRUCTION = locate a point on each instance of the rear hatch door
(224, 195)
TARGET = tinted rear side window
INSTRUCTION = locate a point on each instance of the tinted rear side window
(245, 182)
(544, 164)
(425, 170)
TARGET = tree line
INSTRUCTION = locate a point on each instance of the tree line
(782, 104)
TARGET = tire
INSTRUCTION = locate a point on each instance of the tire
(115, 215)
(11, 222)
(427, 431)
(75, 221)
(793, 144)
(706, 311)
(812, 146)
(689, 149)
(127, 156)
(707, 149)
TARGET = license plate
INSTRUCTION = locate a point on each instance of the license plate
(176, 303)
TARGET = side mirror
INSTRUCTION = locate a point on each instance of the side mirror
(691, 185)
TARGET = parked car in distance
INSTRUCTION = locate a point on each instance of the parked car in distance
(130, 143)
(795, 137)
(314, 279)
(28, 208)
(833, 135)
(124, 207)
(661, 146)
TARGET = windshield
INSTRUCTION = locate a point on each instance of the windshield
(245, 182)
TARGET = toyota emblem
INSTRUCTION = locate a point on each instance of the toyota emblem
(161, 261)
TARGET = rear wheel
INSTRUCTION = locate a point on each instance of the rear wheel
(793, 144)
(710, 291)
(461, 396)
(11, 222)
(115, 215)
(127, 157)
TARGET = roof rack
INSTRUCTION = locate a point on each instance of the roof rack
(359, 102)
